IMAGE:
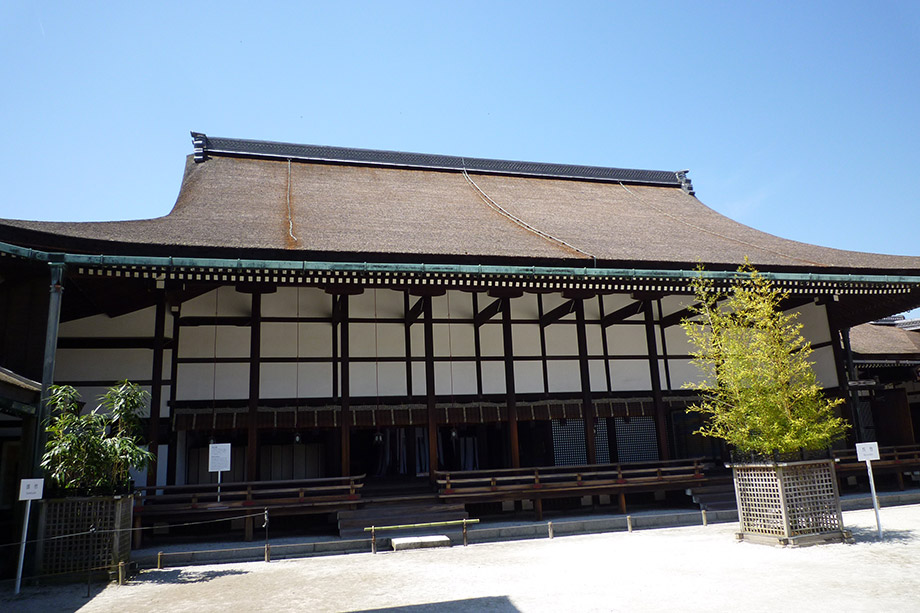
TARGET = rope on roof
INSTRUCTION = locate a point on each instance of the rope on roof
(722, 236)
(497, 207)
(290, 211)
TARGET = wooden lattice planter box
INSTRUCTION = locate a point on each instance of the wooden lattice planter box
(79, 535)
(789, 503)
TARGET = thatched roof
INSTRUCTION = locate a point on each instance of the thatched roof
(885, 340)
(342, 204)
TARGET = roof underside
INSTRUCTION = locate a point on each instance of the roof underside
(300, 202)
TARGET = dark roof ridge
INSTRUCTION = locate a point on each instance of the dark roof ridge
(206, 146)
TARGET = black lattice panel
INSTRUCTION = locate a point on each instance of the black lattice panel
(637, 439)
(569, 442)
(70, 546)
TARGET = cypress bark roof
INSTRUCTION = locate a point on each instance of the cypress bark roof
(309, 202)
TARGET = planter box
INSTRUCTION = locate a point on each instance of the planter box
(80, 535)
(789, 503)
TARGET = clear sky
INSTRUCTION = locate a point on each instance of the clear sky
(799, 119)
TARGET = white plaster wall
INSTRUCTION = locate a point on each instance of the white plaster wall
(103, 364)
(525, 307)
(493, 378)
(138, 323)
(626, 340)
(551, 301)
(678, 342)
(592, 309)
(528, 376)
(561, 340)
(595, 336)
(525, 340)
(598, 375)
(453, 378)
(615, 302)
(683, 372)
(490, 340)
(288, 301)
(225, 302)
(196, 381)
(630, 375)
(418, 378)
(368, 379)
(199, 341)
(814, 318)
(563, 376)
(453, 340)
(825, 367)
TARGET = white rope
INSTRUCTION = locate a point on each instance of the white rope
(290, 210)
(498, 208)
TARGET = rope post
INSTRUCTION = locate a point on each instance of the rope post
(268, 552)
(160, 561)
(465, 542)
(705, 520)
(373, 539)
(629, 522)
(549, 529)
(121, 573)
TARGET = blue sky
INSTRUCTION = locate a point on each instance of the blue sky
(799, 119)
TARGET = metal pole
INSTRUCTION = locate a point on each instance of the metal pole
(22, 546)
(878, 521)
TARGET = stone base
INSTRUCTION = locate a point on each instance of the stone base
(824, 538)
(419, 542)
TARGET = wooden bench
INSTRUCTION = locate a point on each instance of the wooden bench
(898, 459)
(538, 483)
(182, 503)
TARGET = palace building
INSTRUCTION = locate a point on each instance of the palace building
(333, 312)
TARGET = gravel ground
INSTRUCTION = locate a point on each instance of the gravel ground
(677, 569)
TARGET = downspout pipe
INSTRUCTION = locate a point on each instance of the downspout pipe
(51, 338)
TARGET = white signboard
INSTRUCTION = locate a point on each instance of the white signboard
(219, 457)
(31, 489)
(867, 451)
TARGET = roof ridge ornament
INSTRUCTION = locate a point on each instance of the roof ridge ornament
(685, 183)
(201, 144)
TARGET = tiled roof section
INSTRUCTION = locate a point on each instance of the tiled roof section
(206, 146)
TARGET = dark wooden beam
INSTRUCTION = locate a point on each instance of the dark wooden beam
(255, 345)
(558, 313)
(587, 406)
(345, 425)
(430, 390)
(488, 313)
(172, 458)
(510, 396)
(156, 389)
(216, 321)
(661, 421)
(113, 342)
(415, 311)
(622, 313)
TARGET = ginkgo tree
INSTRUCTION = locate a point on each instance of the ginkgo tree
(758, 392)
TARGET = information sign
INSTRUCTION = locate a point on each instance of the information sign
(31, 489)
(219, 457)
(867, 451)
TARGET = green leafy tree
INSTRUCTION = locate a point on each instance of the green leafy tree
(92, 452)
(759, 391)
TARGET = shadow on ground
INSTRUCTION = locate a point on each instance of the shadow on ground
(862, 534)
(183, 575)
(497, 604)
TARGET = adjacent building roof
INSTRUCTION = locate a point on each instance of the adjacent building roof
(885, 339)
(300, 202)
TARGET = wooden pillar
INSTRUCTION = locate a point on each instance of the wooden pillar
(429, 388)
(510, 395)
(661, 418)
(345, 425)
(255, 342)
(587, 406)
(156, 387)
(171, 461)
